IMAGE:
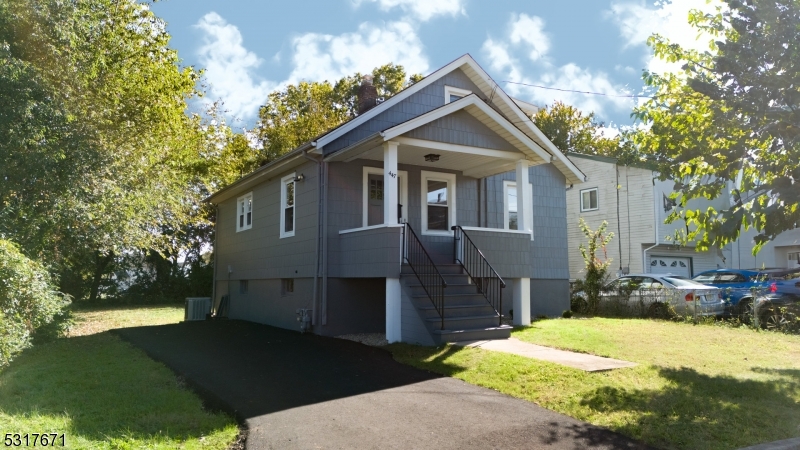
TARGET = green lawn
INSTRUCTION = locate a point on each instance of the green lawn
(696, 386)
(105, 394)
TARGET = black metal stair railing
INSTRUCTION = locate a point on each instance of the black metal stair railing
(420, 262)
(486, 279)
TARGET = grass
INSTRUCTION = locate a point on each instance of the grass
(696, 386)
(105, 394)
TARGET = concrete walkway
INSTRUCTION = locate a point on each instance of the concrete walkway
(582, 361)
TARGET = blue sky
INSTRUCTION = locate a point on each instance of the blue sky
(250, 48)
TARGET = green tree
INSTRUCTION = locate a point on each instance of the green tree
(730, 118)
(96, 151)
(596, 267)
(300, 112)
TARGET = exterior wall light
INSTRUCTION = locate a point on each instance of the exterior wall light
(430, 157)
(300, 177)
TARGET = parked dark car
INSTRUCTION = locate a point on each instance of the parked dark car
(779, 308)
(738, 286)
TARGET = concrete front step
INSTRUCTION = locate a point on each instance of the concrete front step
(465, 322)
(428, 312)
(472, 334)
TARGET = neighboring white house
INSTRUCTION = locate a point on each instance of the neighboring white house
(635, 204)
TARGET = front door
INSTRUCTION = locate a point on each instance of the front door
(375, 200)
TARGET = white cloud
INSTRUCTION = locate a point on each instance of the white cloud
(421, 9)
(669, 18)
(527, 34)
(530, 31)
(328, 57)
(230, 67)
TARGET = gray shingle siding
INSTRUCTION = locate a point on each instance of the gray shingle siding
(548, 255)
(461, 128)
(427, 99)
(260, 253)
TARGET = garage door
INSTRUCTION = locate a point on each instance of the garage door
(676, 265)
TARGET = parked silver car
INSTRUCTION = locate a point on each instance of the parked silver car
(650, 293)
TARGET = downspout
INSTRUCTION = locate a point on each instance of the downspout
(619, 226)
(325, 168)
(315, 294)
(216, 254)
(655, 228)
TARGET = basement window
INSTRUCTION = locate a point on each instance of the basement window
(244, 286)
(287, 286)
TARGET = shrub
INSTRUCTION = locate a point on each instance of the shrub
(28, 302)
(596, 268)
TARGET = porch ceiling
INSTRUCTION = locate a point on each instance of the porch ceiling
(469, 162)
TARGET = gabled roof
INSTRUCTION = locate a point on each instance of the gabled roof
(493, 95)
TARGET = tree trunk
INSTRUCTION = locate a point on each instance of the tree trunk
(103, 261)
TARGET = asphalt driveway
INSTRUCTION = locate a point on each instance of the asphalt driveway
(306, 391)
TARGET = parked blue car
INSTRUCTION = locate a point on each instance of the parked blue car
(738, 286)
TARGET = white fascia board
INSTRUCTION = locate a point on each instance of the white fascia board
(443, 146)
(577, 175)
(416, 87)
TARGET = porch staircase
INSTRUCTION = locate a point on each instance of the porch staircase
(467, 314)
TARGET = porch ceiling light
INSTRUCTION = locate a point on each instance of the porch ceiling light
(431, 157)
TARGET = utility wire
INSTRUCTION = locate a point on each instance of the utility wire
(578, 92)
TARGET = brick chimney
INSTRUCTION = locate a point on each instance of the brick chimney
(367, 95)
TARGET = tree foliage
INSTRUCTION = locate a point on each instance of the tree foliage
(96, 151)
(730, 121)
(28, 301)
(302, 111)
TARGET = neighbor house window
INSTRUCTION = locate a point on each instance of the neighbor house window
(510, 205)
(438, 202)
(287, 286)
(244, 285)
(244, 216)
(452, 94)
(287, 205)
(589, 200)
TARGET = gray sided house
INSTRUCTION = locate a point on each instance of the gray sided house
(413, 219)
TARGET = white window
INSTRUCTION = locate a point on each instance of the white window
(287, 286)
(589, 200)
(438, 202)
(244, 212)
(510, 205)
(244, 286)
(452, 94)
(287, 206)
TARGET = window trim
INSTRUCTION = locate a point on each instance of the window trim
(285, 181)
(450, 179)
(450, 90)
(239, 201)
(244, 287)
(583, 209)
(507, 184)
(402, 196)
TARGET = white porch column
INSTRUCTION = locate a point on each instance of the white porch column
(393, 310)
(524, 200)
(522, 300)
(390, 196)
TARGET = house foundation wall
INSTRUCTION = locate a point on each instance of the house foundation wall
(264, 301)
